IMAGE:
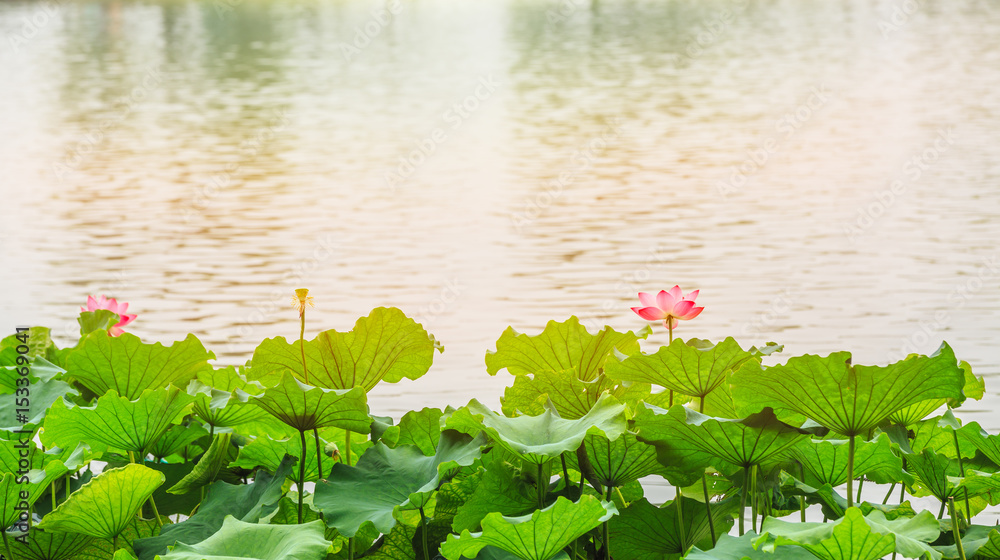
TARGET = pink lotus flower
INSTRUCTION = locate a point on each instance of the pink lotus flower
(93, 304)
(668, 307)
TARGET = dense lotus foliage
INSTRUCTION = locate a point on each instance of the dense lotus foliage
(117, 448)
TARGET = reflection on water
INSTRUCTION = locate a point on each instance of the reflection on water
(826, 180)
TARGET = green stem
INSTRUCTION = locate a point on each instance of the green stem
(802, 499)
(885, 500)
(69, 486)
(302, 345)
(753, 498)
(743, 497)
(52, 490)
(708, 500)
(319, 454)
(302, 473)
(954, 529)
(680, 521)
(423, 534)
(607, 531)
(961, 471)
(156, 513)
(350, 548)
(566, 480)
(542, 486)
(211, 431)
(861, 482)
(6, 544)
(347, 447)
(850, 472)
(941, 511)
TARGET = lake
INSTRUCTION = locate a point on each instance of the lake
(826, 173)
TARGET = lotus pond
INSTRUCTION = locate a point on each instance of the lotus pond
(120, 448)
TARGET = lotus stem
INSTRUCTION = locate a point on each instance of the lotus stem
(743, 497)
(961, 471)
(861, 483)
(211, 431)
(680, 521)
(52, 490)
(670, 340)
(156, 512)
(302, 344)
(302, 473)
(607, 531)
(423, 534)
(6, 544)
(954, 529)
(347, 447)
(708, 499)
(319, 454)
(541, 486)
(566, 480)
(850, 471)
(941, 511)
(753, 498)
(69, 488)
(802, 499)
(902, 485)
(885, 500)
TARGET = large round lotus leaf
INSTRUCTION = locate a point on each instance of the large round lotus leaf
(305, 408)
(560, 347)
(255, 541)
(386, 479)
(384, 345)
(129, 366)
(538, 439)
(538, 536)
(104, 506)
(116, 422)
(848, 399)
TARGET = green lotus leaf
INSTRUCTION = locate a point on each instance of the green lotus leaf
(103, 549)
(938, 434)
(129, 366)
(421, 428)
(848, 538)
(693, 368)
(219, 454)
(501, 489)
(890, 511)
(22, 487)
(825, 461)
(979, 541)
(646, 532)
(539, 536)
(239, 539)
(833, 504)
(848, 399)
(572, 397)
(104, 506)
(538, 439)
(912, 533)
(99, 320)
(48, 545)
(268, 453)
(32, 393)
(246, 502)
(386, 479)
(939, 476)
(618, 462)
(177, 438)
(398, 544)
(974, 388)
(559, 347)
(223, 408)
(729, 547)
(116, 422)
(39, 343)
(686, 437)
(977, 438)
(305, 408)
(386, 345)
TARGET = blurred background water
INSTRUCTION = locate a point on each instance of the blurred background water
(826, 173)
